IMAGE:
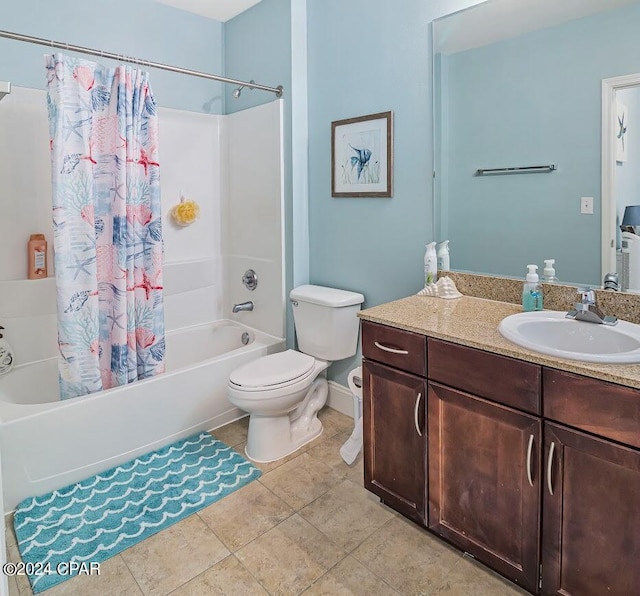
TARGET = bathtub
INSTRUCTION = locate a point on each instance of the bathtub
(47, 443)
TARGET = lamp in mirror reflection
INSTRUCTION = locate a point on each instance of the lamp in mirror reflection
(631, 219)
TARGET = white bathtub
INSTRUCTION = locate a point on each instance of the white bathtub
(47, 443)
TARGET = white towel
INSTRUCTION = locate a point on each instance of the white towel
(349, 451)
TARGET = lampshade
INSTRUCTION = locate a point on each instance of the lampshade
(631, 216)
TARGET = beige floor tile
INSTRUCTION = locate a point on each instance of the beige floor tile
(407, 557)
(245, 514)
(228, 578)
(13, 587)
(233, 433)
(334, 422)
(301, 480)
(356, 471)
(22, 582)
(290, 557)
(115, 579)
(349, 577)
(174, 556)
(328, 452)
(347, 514)
(469, 578)
(9, 532)
(272, 465)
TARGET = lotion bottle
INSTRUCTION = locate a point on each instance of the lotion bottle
(430, 264)
(37, 255)
(532, 291)
(443, 256)
(549, 273)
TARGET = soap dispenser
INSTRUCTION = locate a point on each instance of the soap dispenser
(532, 291)
(549, 273)
(430, 264)
(443, 256)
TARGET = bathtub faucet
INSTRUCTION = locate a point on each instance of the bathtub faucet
(243, 306)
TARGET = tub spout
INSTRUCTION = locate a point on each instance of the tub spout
(243, 306)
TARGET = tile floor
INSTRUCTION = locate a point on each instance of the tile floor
(306, 526)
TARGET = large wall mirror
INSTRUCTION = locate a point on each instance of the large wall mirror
(518, 89)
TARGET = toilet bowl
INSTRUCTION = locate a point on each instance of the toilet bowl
(283, 392)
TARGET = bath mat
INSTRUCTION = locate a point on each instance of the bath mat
(62, 533)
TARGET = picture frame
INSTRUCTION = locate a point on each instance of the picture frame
(362, 156)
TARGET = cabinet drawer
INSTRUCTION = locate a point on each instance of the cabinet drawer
(499, 378)
(595, 406)
(401, 349)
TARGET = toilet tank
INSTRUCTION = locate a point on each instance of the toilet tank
(326, 321)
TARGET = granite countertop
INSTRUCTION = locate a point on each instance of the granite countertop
(474, 322)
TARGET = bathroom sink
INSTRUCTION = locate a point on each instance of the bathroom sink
(549, 332)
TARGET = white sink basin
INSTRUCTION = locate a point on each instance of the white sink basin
(549, 332)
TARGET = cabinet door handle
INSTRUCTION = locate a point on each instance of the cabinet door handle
(529, 454)
(415, 414)
(549, 467)
(392, 350)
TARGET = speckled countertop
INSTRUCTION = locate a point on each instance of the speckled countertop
(474, 322)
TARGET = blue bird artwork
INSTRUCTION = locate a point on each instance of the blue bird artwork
(361, 159)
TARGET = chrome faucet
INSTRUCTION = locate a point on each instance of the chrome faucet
(243, 306)
(587, 310)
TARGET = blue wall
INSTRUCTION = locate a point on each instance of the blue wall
(141, 28)
(533, 100)
(366, 57)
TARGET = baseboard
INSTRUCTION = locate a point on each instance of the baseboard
(340, 399)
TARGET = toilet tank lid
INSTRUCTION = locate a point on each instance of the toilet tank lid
(326, 296)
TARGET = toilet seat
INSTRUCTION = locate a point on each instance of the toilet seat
(273, 372)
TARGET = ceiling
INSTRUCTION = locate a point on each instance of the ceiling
(495, 20)
(220, 10)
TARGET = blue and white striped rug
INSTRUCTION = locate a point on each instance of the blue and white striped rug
(61, 533)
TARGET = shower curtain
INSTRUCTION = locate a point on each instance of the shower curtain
(107, 224)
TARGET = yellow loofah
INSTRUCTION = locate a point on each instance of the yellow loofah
(186, 212)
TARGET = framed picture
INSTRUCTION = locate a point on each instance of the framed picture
(362, 156)
(622, 125)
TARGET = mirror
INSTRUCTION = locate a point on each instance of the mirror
(518, 84)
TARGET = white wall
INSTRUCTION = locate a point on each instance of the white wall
(201, 156)
(253, 215)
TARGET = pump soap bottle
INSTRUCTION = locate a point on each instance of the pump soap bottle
(549, 273)
(532, 291)
(430, 264)
(443, 256)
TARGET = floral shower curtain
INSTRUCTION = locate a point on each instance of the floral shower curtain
(107, 224)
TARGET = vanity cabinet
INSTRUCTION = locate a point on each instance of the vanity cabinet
(394, 398)
(484, 457)
(591, 492)
(532, 470)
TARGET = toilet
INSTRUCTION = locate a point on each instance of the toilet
(283, 392)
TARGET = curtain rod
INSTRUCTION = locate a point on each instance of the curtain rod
(72, 48)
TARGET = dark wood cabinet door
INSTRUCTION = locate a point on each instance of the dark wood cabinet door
(395, 438)
(484, 481)
(591, 515)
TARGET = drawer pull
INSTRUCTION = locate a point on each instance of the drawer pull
(529, 454)
(392, 350)
(549, 467)
(416, 413)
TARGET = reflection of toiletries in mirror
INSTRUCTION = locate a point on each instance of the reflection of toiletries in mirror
(430, 264)
(549, 273)
(443, 256)
(532, 291)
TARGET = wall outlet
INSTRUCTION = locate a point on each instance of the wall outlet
(586, 205)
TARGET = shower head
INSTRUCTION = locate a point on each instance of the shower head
(5, 88)
(237, 92)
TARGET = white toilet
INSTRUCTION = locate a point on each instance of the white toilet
(283, 392)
